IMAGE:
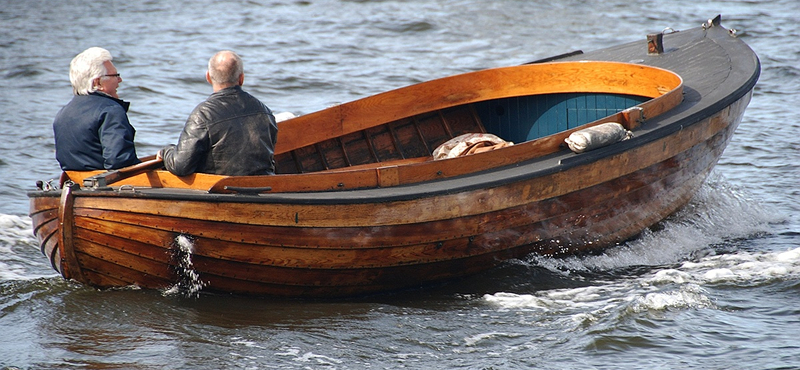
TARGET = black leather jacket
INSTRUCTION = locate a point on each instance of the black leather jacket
(231, 133)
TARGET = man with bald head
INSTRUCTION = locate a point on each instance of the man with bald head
(230, 133)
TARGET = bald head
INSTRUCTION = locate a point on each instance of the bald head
(225, 69)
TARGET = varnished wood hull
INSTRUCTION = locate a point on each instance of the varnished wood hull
(398, 233)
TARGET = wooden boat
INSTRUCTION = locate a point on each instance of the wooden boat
(360, 206)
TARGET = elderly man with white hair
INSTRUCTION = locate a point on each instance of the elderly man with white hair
(92, 131)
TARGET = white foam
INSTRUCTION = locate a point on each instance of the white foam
(12, 271)
(746, 267)
(478, 338)
(15, 229)
(684, 287)
(687, 296)
(237, 341)
(319, 359)
(718, 214)
(670, 276)
(18, 248)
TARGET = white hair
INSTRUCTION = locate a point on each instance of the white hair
(87, 66)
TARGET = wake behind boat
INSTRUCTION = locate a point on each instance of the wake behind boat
(425, 183)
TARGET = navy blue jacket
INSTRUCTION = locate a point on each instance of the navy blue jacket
(93, 133)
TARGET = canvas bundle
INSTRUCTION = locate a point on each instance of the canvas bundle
(597, 137)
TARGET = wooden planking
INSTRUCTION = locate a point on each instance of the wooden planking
(551, 235)
(341, 278)
(604, 204)
(44, 218)
(111, 253)
(350, 281)
(116, 259)
(100, 272)
(339, 283)
(332, 237)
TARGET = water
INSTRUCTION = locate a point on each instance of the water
(716, 286)
(189, 284)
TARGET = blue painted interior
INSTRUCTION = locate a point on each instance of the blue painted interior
(526, 118)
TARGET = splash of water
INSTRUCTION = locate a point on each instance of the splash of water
(717, 214)
(21, 259)
(686, 286)
(682, 276)
(189, 283)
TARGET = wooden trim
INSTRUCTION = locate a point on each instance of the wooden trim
(387, 176)
(70, 267)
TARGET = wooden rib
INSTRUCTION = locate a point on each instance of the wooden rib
(344, 152)
(446, 126)
(415, 122)
(321, 156)
(298, 165)
(476, 118)
(393, 136)
(370, 145)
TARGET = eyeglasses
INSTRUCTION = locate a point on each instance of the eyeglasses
(114, 75)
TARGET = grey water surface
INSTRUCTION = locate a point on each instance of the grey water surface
(716, 286)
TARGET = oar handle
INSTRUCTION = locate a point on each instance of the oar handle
(107, 178)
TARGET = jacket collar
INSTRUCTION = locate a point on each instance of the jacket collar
(125, 105)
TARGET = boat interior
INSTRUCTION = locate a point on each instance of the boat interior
(514, 119)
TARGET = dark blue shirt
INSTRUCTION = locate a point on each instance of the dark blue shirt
(93, 133)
